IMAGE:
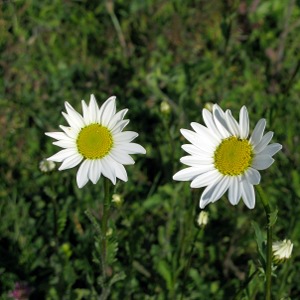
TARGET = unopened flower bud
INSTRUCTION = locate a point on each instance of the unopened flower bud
(117, 199)
(165, 107)
(209, 106)
(46, 165)
(109, 232)
(202, 218)
(66, 250)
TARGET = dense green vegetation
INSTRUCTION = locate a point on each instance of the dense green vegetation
(146, 52)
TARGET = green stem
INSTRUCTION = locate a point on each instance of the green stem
(116, 23)
(245, 284)
(55, 210)
(188, 265)
(106, 205)
(268, 270)
(170, 141)
(269, 256)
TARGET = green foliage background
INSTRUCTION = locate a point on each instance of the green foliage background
(187, 53)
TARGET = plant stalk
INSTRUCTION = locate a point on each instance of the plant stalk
(104, 221)
(245, 284)
(106, 205)
(188, 265)
(268, 270)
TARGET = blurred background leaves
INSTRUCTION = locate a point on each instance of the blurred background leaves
(183, 53)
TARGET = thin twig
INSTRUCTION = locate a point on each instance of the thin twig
(116, 23)
(268, 270)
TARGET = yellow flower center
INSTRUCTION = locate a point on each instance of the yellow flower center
(233, 156)
(94, 141)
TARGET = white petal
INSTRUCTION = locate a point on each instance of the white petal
(214, 191)
(119, 116)
(193, 150)
(190, 173)
(252, 176)
(244, 122)
(232, 124)
(85, 112)
(219, 119)
(206, 179)
(131, 148)
(108, 169)
(73, 117)
(205, 133)
(264, 142)
(208, 120)
(70, 132)
(57, 135)
(66, 144)
(93, 110)
(262, 162)
(234, 191)
(194, 161)
(221, 188)
(82, 174)
(125, 136)
(62, 155)
(272, 149)
(195, 139)
(121, 157)
(71, 162)
(70, 121)
(248, 194)
(120, 171)
(203, 202)
(258, 132)
(107, 110)
(94, 170)
(119, 126)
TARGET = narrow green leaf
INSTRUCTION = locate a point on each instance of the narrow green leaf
(260, 240)
(273, 217)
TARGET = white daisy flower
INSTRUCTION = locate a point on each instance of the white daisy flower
(95, 139)
(222, 157)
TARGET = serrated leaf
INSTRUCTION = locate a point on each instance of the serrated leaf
(117, 277)
(112, 249)
(95, 223)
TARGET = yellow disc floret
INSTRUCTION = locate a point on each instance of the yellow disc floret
(94, 141)
(233, 156)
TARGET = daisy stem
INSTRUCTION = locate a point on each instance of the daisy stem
(245, 284)
(55, 210)
(188, 265)
(268, 270)
(170, 140)
(106, 205)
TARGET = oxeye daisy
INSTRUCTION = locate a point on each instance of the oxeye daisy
(96, 140)
(223, 156)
